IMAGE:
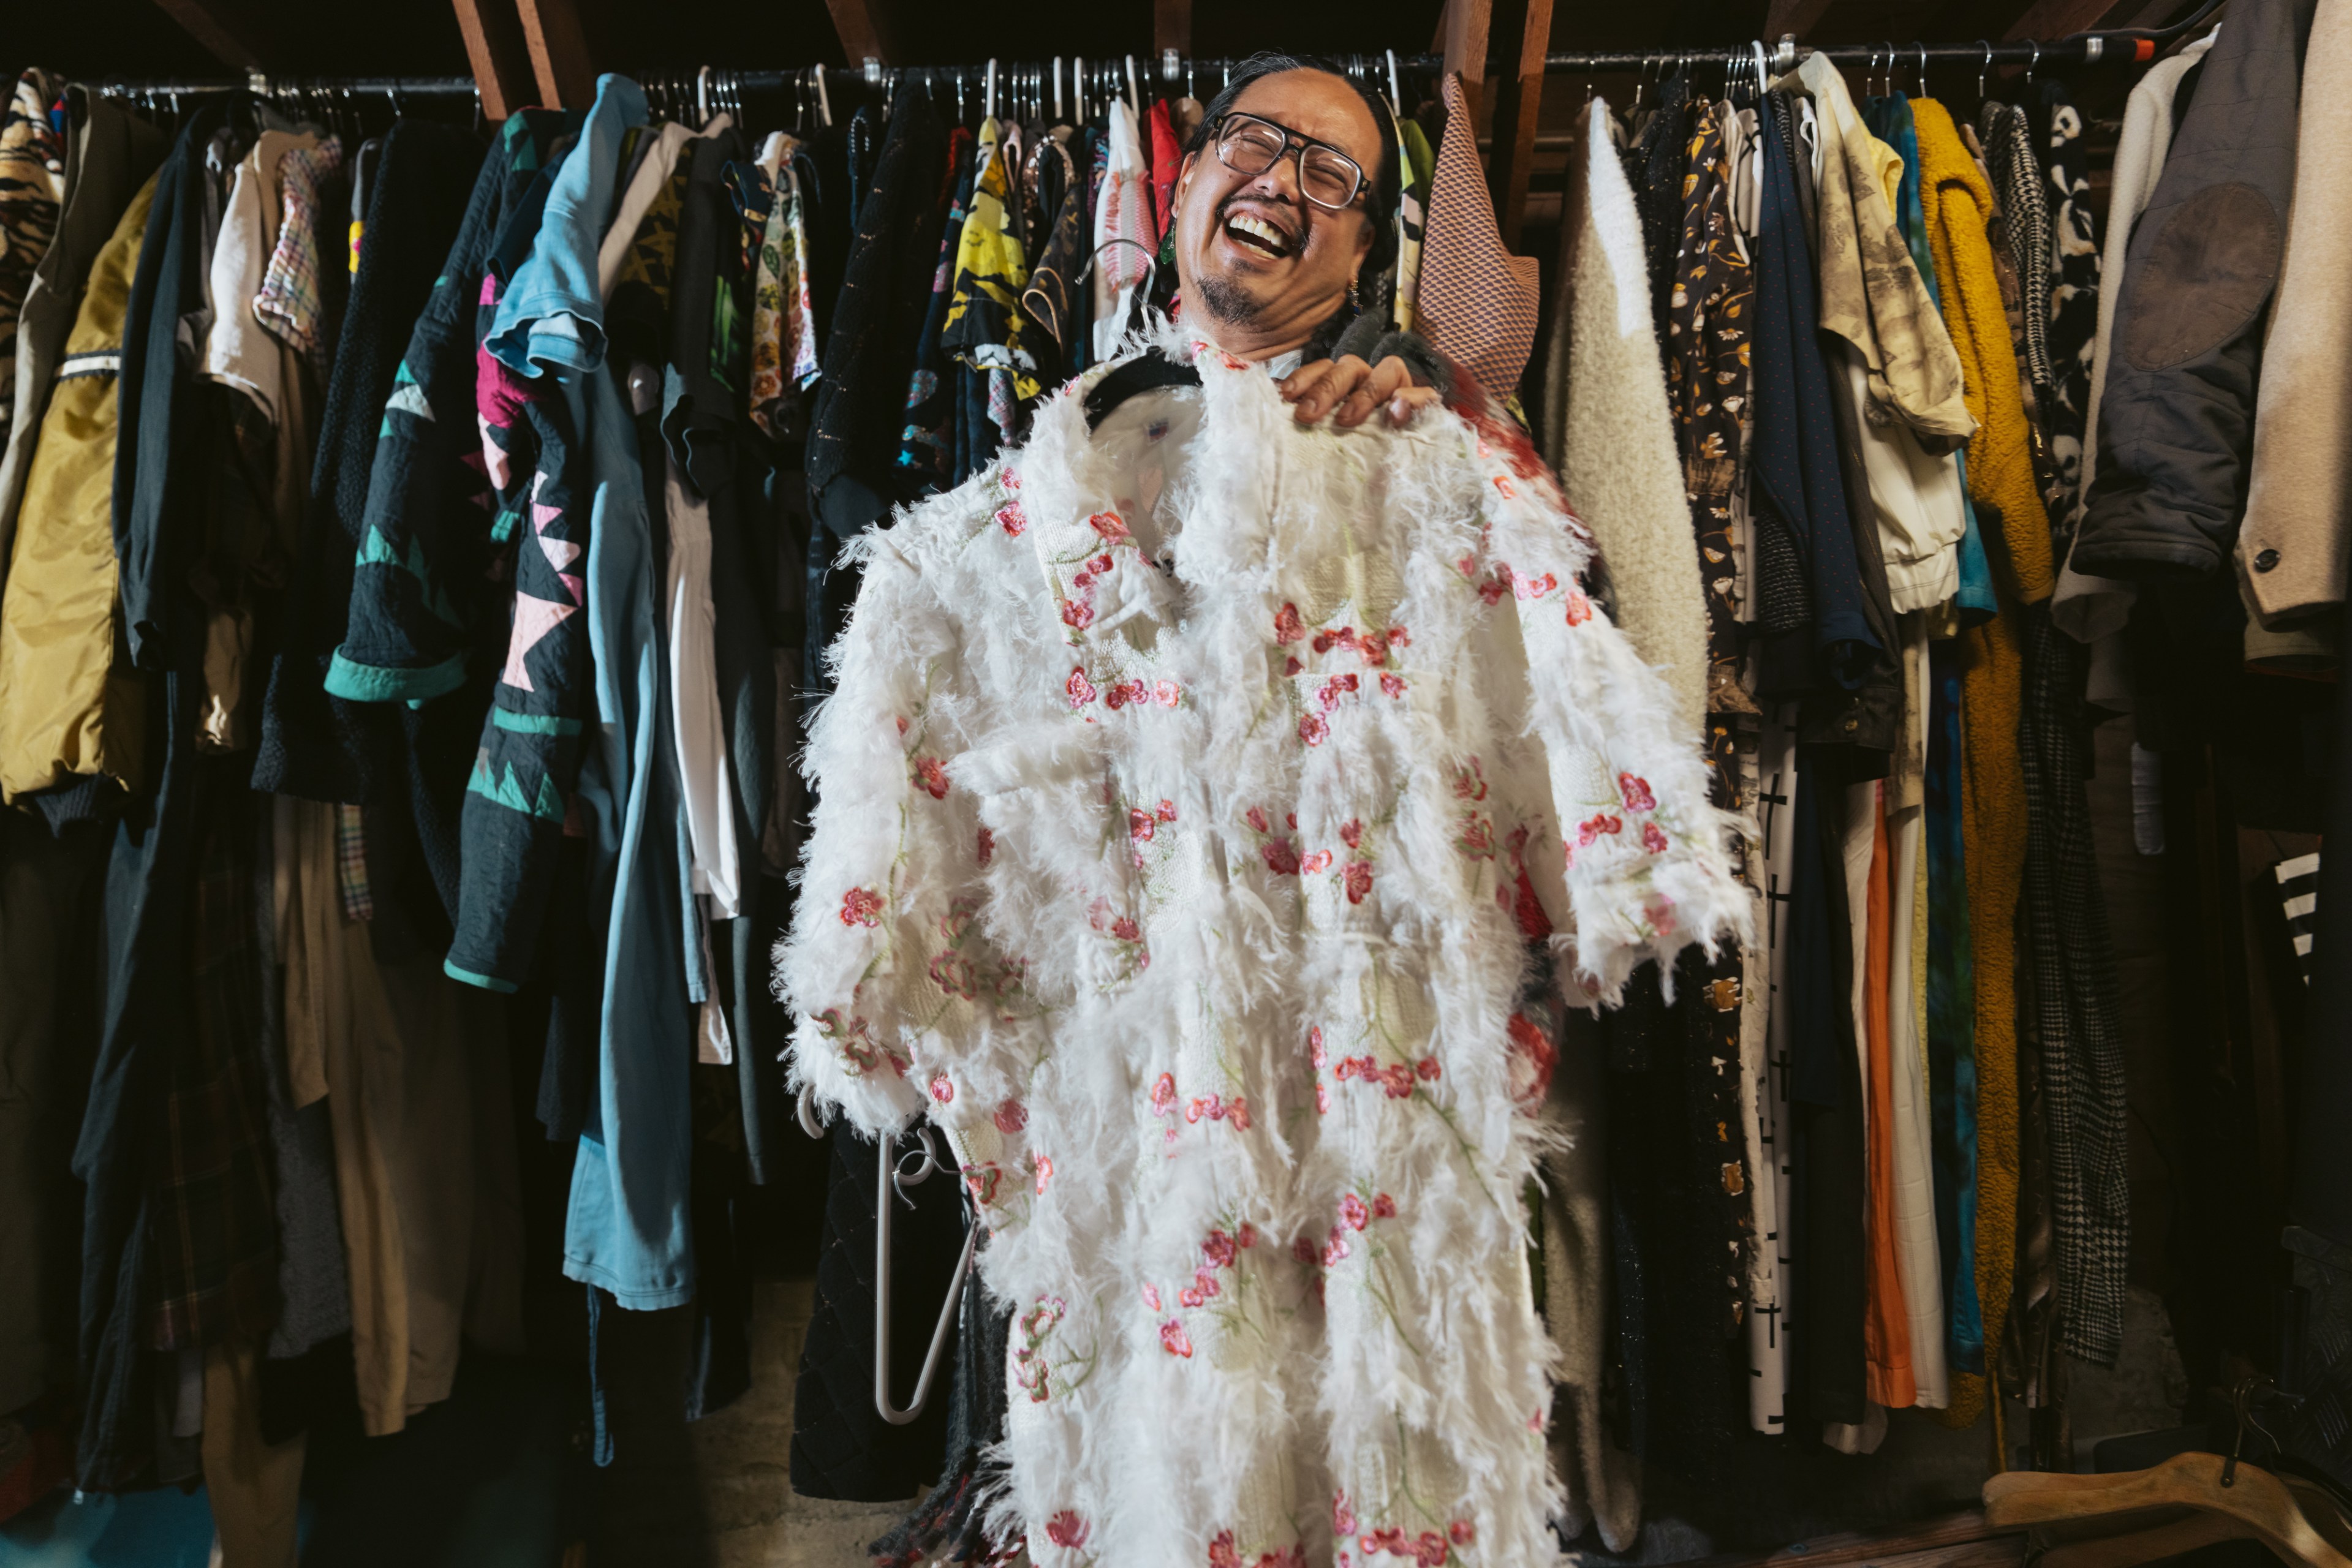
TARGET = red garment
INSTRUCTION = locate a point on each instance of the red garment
(1886, 1326)
(1165, 160)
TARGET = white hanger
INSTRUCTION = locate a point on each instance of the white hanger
(1058, 88)
(1396, 99)
(988, 91)
(823, 101)
(1134, 94)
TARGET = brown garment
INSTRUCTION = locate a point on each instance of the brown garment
(416, 1079)
(255, 1486)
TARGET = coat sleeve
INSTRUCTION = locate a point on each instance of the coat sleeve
(1645, 855)
(885, 968)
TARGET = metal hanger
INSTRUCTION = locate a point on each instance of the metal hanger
(1986, 67)
(892, 1179)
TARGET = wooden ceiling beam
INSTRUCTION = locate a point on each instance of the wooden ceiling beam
(1518, 102)
(1172, 26)
(1798, 17)
(498, 54)
(231, 31)
(560, 61)
(2048, 19)
(1462, 39)
(865, 30)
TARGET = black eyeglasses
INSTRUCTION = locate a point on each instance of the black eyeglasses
(1250, 146)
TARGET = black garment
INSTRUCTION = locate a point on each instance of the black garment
(1655, 164)
(1800, 487)
(1866, 719)
(1673, 1123)
(312, 745)
(945, 1527)
(1828, 1368)
(841, 1446)
(926, 444)
(125, 1437)
(2177, 411)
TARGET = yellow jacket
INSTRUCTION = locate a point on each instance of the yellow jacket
(1958, 206)
(64, 710)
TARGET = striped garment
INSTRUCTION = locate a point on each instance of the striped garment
(32, 187)
(2298, 886)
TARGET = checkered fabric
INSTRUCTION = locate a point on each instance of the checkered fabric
(288, 303)
(1476, 301)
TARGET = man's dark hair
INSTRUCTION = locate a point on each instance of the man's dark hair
(1382, 184)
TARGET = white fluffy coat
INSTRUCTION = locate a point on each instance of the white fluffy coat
(1189, 898)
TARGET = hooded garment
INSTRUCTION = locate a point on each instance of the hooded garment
(1188, 806)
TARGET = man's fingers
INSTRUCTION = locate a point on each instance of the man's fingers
(1338, 379)
(1384, 382)
(1408, 403)
(1300, 382)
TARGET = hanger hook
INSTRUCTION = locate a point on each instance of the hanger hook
(2032, 63)
(1984, 67)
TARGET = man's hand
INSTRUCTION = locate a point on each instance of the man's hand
(1354, 389)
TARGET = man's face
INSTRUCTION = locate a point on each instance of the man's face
(1252, 253)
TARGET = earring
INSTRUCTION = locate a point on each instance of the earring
(1352, 302)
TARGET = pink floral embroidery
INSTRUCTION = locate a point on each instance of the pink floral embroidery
(1314, 1044)
(1190, 1296)
(1359, 876)
(1659, 909)
(1580, 609)
(1011, 1117)
(902, 723)
(1497, 584)
(943, 1090)
(1352, 832)
(954, 973)
(1331, 692)
(1636, 792)
(1534, 586)
(1008, 479)
(1151, 1295)
(1477, 840)
(1167, 811)
(1174, 1340)
(1256, 815)
(1462, 1532)
(930, 774)
(1335, 1246)
(1323, 1098)
(1279, 857)
(1108, 524)
(1593, 827)
(1470, 783)
(1320, 861)
(1343, 1518)
(861, 906)
(1126, 929)
(1652, 838)
(1287, 627)
(1374, 647)
(1353, 1213)
(1077, 615)
(1066, 1528)
(1220, 1250)
(1011, 520)
(1533, 1057)
(1249, 1235)
(1383, 1207)
(1222, 1553)
(982, 1182)
(987, 846)
(1503, 483)
(1397, 1079)
(1118, 697)
(1303, 1250)
(1164, 1094)
(1081, 690)
(1427, 1069)
(1166, 693)
(1313, 730)
(1140, 825)
(1291, 667)
(1326, 641)
(1045, 1172)
(1392, 685)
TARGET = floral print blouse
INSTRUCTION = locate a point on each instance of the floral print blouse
(1198, 795)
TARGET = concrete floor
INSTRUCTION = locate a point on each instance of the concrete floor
(741, 1461)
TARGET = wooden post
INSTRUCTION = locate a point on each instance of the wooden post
(1519, 99)
(1462, 38)
(865, 33)
(501, 60)
(227, 29)
(559, 54)
(1172, 26)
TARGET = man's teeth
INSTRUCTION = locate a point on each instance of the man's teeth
(1258, 229)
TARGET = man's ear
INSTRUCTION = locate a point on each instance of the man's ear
(1184, 174)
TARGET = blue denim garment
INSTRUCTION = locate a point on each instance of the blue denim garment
(553, 313)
